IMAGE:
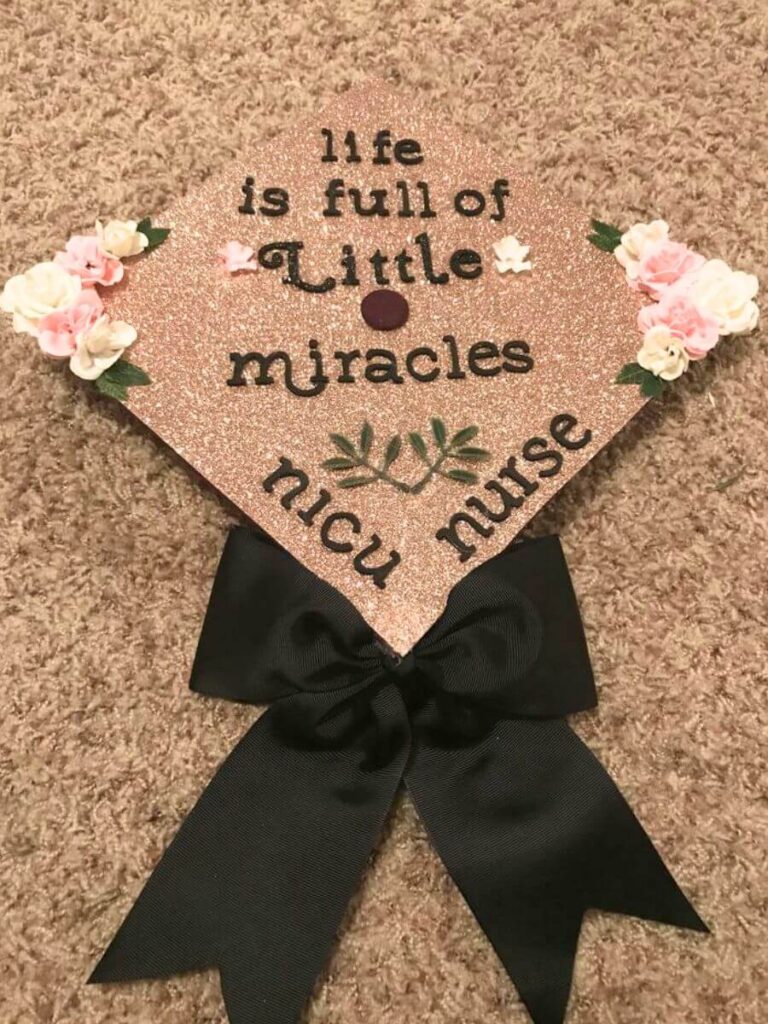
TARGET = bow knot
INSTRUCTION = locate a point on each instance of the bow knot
(400, 666)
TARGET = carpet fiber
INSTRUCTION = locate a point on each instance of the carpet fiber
(108, 543)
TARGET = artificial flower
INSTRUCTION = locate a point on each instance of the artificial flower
(662, 265)
(511, 255)
(636, 240)
(57, 332)
(235, 256)
(100, 346)
(84, 257)
(120, 238)
(663, 353)
(694, 326)
(728, 295)
(41, 290)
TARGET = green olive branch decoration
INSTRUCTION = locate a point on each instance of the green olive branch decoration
(443, 449)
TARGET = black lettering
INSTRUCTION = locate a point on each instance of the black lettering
(342, 547)
(346, 359)
(481, 352)
(511, 473)
(247, 190)
(378, 573)
(408, 152)
(463, 259)
(383, 371)
(286, 471)
(421, 375)
(517, 356)
(275, 255)
(508, 502)
(561, 426)
(450, 533)
(308, 516)
(476, 206)
(535, 450)
(276, 202)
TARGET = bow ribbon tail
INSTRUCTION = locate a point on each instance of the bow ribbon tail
(534, 831)
(257, 879)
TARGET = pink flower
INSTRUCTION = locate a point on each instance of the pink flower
(84, 256)
(662, 265)
(695, 327)
(57, 332)
(235, 256)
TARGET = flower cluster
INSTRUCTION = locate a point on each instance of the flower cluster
(696, 301)
(58, 303)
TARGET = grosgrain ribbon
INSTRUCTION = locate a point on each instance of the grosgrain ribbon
(525, 819)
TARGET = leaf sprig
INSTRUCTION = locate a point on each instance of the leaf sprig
(154, 236)
(651, 386)
(120, 376)
(606, 237)
(358, 460)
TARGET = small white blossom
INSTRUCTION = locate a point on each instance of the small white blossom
(663, 353)
(511, 255)
(636, 241)
(728, 295)
(100, 346)
(119, 238)
(43, 289)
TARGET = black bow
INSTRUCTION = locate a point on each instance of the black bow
(526, 820)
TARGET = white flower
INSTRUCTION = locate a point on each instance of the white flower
(43, 289)
(100, 346)
(119, 238)
(511, 255)
(636, 241)
(663, 353)
(728, 295)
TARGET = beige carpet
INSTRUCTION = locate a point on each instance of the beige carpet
(109, 543)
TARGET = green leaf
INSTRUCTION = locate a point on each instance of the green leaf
(464, 435)
(155, 236)
(393, 451)
(462, 476)
(419, 445)
(631, 373)
(344, 445)
(652, 387)
(608, 230)
(355, 481)
(604, 242)
(125, 373)
(338, 464)
(472, 454)
(366, 438)
(439, 432)
(111, 388)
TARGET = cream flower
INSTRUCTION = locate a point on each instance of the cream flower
(663, 353)
(511, 255)
(100, 346)
(728, 295)
(636, 241)
(119, 238)
(41, 290)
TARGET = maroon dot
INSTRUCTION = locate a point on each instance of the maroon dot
(384, 310)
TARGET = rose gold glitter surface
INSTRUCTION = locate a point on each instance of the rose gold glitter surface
(574, 310)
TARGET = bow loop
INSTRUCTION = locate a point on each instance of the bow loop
(273, 629)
